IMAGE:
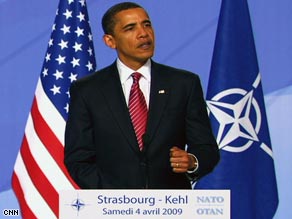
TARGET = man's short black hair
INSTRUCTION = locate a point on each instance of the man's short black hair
(108, 19)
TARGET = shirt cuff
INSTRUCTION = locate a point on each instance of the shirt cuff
(197, 164)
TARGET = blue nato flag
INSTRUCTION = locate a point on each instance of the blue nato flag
(238, 117)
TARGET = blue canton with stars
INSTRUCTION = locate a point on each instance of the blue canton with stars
(70, 54)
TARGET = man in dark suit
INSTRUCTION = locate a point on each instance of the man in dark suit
(103, 149)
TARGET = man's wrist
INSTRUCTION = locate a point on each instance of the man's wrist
(194, 164)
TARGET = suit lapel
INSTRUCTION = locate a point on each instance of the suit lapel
(114, 96)
(159, 95)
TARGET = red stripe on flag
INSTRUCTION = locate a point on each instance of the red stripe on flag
(24, 208)
(39, 179)
(49, 139)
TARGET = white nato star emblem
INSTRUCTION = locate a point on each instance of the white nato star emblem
(234, 119)
(77, 204)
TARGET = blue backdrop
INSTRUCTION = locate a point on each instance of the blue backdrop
(185, 34)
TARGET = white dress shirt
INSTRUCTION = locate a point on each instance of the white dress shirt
(126, 79)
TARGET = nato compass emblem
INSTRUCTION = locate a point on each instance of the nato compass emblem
(238, 117)
(78, 204)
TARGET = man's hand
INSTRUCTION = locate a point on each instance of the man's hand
(181, 161)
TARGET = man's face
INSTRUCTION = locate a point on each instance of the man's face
(133, 37)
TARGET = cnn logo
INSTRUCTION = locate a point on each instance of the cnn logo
(11, 212)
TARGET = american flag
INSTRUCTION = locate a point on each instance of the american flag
(39, 173)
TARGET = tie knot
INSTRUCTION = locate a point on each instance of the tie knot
(136, 77)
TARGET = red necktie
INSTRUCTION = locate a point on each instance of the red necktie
(138, 109)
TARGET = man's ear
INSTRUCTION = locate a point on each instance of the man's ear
(109, 41)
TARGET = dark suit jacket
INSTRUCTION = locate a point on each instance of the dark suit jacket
(101, 150)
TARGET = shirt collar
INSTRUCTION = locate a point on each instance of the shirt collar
(125, 72)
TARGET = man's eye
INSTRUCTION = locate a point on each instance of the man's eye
(129, 28)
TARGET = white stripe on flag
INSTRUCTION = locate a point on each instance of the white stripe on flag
(44, 160)
(50, 114)
(32, 197)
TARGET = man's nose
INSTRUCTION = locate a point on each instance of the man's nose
(142, 32)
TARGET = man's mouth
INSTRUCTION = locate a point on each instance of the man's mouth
(145, 45)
